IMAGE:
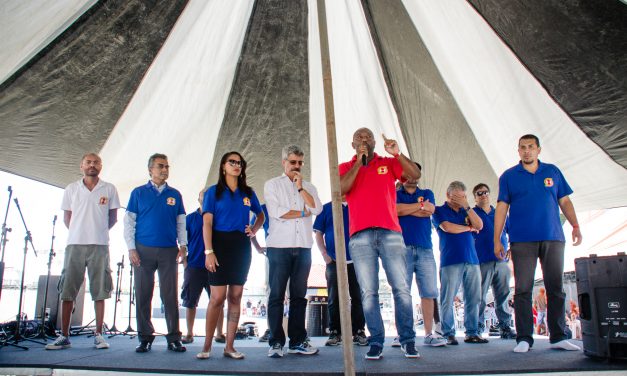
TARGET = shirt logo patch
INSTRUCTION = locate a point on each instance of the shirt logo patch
(103, 200)
(171, 201)
(382, 170)
(246, 201)
(548, 182)
(421, 199)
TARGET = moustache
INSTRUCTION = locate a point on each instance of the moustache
(295, 169)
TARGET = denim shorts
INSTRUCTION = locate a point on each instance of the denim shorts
(420, 261)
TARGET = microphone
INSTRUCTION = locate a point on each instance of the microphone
(364, 160)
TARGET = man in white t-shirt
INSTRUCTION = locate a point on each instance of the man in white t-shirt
(90, 208)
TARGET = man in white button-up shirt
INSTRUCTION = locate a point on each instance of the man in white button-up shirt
(291, 202)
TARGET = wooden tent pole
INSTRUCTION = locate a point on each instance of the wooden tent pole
(336, 195)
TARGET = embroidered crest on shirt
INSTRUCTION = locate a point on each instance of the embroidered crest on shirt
(171, 201)
(382, 170)
(548, 182)
(246, 201)
(103, 200)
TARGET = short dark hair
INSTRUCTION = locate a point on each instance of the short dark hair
(152, 158)
(418, 165)
(530, 137)
(478, 187)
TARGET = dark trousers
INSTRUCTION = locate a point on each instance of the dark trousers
(162, 260)
(291, 264)
(357, 311)
(524, 257)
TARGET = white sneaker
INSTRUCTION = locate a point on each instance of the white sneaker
(62, 342)
(434, 340)
(396, 342)
(565, 345)
(522, 347)
(99, 342)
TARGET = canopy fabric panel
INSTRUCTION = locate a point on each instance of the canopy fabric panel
(179, 106)
(29, 26)
(68, 101)
(578, 51)
(435, 129)
(268, 105)
(501, 101)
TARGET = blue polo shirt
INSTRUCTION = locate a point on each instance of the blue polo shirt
(484, 240)
(266, 223)
(454, 248)
(232, 211)
(533, 202)
(195, 241)
(416, 230)
(324, 224)
(156, 215)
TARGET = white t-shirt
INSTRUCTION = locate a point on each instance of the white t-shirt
(90, 211)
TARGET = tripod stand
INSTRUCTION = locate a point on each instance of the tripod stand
(42, 328)
(114, 331)
(3, 239)
(27, 239)
(131, 301)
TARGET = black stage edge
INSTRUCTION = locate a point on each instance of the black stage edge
(495, 357)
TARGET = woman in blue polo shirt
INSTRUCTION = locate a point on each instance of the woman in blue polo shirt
(226, 231)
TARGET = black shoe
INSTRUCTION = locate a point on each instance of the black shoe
(508, 334)
(375, 353)
(451, 340)
(475, 339)
(176, 346)
(144, 346)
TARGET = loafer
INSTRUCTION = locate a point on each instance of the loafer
(144, 346)
(233, 355)
(176, 346)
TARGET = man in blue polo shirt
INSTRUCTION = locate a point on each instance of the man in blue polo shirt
(196, 275)
(494, 272)
(455, 222)
(414, 207)
(325, 239)
(534, 192)
(154, 222)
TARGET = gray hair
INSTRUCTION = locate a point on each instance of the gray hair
(152, 158)
(455, 186)
(292, 149)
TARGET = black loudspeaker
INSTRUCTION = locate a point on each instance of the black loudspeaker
(602, 293)
(53, 303)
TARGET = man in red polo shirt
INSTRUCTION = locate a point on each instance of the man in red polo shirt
(368, 181)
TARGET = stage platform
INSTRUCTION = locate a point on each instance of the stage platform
(495, 357)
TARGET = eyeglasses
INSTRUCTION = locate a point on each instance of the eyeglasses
(235, 163)
(294, 163)
(161, 166)
(482, 193)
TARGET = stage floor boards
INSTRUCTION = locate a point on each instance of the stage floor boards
(495, 357)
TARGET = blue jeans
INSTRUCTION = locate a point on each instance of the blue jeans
(495, 274)
(291, 264)
(421, 261)
(366, 247)
(451, 277)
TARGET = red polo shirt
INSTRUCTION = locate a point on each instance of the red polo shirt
(372, 199)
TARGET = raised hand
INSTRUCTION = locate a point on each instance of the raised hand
(391, 146)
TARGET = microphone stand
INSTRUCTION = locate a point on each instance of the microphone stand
(42, 328)
(114, 330)
(131, 298)
(3, 239)
(27, 239)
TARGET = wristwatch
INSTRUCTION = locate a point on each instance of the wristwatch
(208, 251)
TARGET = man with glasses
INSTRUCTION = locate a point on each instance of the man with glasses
(494, 272)
(154, 222)
(534, 192)
(290, 201)
(368, 181)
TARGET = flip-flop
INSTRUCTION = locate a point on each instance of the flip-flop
(234, 355)
(203, 355)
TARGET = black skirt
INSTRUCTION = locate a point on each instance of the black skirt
(232, 249)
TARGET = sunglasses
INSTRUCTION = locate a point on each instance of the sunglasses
(235, 163)
(294, 163)
(482, 193)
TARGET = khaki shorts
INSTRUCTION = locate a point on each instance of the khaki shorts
(96, 259)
